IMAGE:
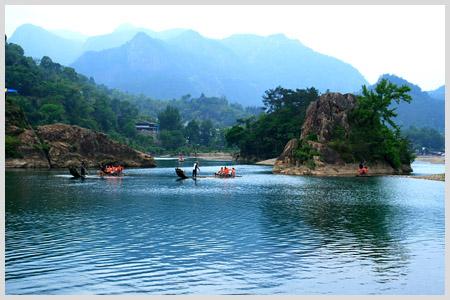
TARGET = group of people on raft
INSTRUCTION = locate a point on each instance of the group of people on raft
(226, 172)
(111, 170)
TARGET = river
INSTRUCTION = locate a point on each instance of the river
(148, 233)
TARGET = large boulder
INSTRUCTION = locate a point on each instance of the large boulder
(324, 115)
(61, 146)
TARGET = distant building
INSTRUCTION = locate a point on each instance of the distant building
(149, 128)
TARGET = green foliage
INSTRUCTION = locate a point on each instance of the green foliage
(425, 137)
(51, 113)
(265, 136)
(304, 154)
(192, 132)
(170, 119)
(172, 139)
(218, 110)
(312, 137)
(11, 147)
(374, 105)
(50, 93)
(374, 136)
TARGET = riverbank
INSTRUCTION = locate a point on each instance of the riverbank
(215, 156)
(224, 156)
(437, 177)
(434, 159)
(267, 162)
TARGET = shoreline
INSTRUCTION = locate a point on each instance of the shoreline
(205, 156)
(435, 177)
(434, 159)
(267, 162)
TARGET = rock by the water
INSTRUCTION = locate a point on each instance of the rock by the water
(323, 116)
(61, 146)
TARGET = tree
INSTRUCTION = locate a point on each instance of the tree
(170, 119)
(192, 132)
(373, 105)
(52, 113)
(171, 139)
(374, 136)
(425, 137)
(206, 132)
(265, 136)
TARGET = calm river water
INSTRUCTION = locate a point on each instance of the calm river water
(148, 233)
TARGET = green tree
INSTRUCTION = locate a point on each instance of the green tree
(206, 132)
(265, 136)
(374, 136)
(52, 113)
(425, 137)
(192, 132)
(172, 139)
(373, 105)
(170, 119)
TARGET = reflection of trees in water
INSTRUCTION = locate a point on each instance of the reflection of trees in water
(343, 216)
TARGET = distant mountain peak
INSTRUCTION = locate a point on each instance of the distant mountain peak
(141, 37)
(400, 81)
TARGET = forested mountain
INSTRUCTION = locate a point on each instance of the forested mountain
(51, 93)
(65, 46)
(423, 111)
(277, 60)
(174, 63)
(240, 67)
(438, 93)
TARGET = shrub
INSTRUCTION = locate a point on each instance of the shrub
(11, 147)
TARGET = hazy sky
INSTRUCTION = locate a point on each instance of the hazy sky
(408, 41)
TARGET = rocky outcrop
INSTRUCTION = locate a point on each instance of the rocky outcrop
(328, 112)
(32, 154)
(61, 145)
(323, 117)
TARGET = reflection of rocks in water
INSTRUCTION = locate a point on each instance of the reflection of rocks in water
(338, 221)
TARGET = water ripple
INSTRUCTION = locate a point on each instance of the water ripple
(257, 234)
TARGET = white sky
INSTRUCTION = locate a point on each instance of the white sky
(408, 41)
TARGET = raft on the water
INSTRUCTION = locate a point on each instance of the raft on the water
(75, 173)
(182, 175)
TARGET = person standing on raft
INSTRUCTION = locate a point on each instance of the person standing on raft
(195, 170)
(83, 169)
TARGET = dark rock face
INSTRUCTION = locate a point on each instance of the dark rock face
(61, 146)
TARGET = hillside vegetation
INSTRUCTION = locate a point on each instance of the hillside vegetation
(50, 93)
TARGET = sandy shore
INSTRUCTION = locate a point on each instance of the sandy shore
(215, 156)
(267, 162)
(431, 158)
(438, 177)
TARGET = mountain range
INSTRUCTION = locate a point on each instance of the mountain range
(177, 62)
(427, 109)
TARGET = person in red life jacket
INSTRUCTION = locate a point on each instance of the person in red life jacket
(363, 170)
(226, 172)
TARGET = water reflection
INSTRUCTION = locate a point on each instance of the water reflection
(351, 224)
(256, 234)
